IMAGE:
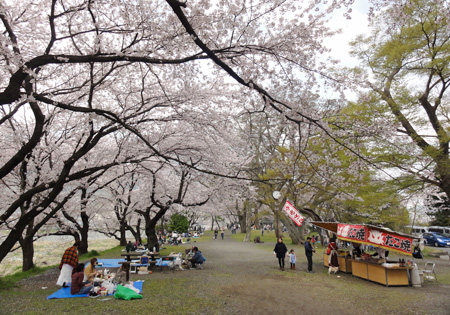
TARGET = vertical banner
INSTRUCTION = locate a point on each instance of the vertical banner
(293, 213)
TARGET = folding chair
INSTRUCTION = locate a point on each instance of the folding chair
(428, 270)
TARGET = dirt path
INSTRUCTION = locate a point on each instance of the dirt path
(247, 277)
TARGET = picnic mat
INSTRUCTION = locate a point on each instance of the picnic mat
(64, 293)
(160, 262)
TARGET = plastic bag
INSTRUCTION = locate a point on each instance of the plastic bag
(126, 293)
(130, 286)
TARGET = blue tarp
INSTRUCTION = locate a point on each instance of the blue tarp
(109, 263)
(64, 293)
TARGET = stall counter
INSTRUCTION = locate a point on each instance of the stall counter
(345, 262)
(389, 276)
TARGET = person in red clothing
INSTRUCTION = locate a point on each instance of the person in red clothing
(332, 251)
(68, 261)
(78, 286)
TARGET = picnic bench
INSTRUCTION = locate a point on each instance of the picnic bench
(146, 260)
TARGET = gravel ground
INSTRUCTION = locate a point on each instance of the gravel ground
(245, 279)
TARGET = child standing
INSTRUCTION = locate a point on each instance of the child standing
(292, 258)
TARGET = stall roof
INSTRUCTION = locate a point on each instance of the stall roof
(391, 240)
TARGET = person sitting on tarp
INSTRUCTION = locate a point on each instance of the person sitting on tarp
(78, 286)
(197, 259)
(90, 273)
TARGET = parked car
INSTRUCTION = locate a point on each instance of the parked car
(436, 239)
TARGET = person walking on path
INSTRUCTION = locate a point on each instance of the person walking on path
(222, 233)
(309, 250)
(69, 261)
(280, 251)
(215, 233)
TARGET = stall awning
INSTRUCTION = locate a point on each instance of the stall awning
(371, 235)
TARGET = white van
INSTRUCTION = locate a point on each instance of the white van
(445, 230)
(418, 230)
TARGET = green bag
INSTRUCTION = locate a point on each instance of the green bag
(126, 293)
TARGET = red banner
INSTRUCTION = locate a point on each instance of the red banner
(375, 237)
(293, 213)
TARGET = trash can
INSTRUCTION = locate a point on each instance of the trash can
(415, 277)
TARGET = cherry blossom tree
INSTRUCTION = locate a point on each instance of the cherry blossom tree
(137, 69)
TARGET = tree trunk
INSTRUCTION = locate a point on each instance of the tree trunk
(248, 235)
(123, 231)
(242, 223)
(27, 253)
(84, 234)
(295, 232)
(138, 231)
(152, 238)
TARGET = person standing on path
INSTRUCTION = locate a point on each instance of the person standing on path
(292, 259)
(222, 233)
(333, 260)
(280, 251)
(69, 261)
(309, 250)
(215, 233)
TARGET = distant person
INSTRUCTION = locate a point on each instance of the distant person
(309, 250)
(69, 261)
(78, 286)
(280, 251)
(292, 259)
(216, 232)
(262, 231)
(129, 247)
(313, 242)
(222, 232)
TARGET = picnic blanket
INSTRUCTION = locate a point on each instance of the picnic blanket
(108, 263)
(64, 293)
(161, 262)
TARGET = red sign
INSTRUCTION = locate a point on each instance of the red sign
(375, 237)
(351, 232)
(293, 213)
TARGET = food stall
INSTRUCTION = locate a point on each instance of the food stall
(380, 270)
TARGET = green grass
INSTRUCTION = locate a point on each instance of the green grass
(10, 281)
(269, 237)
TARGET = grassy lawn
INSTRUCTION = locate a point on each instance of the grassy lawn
(202, 291)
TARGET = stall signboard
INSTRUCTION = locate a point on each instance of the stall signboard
(293, 213)
(375, 237)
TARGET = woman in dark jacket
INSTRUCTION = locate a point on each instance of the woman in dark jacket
(280, 250)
